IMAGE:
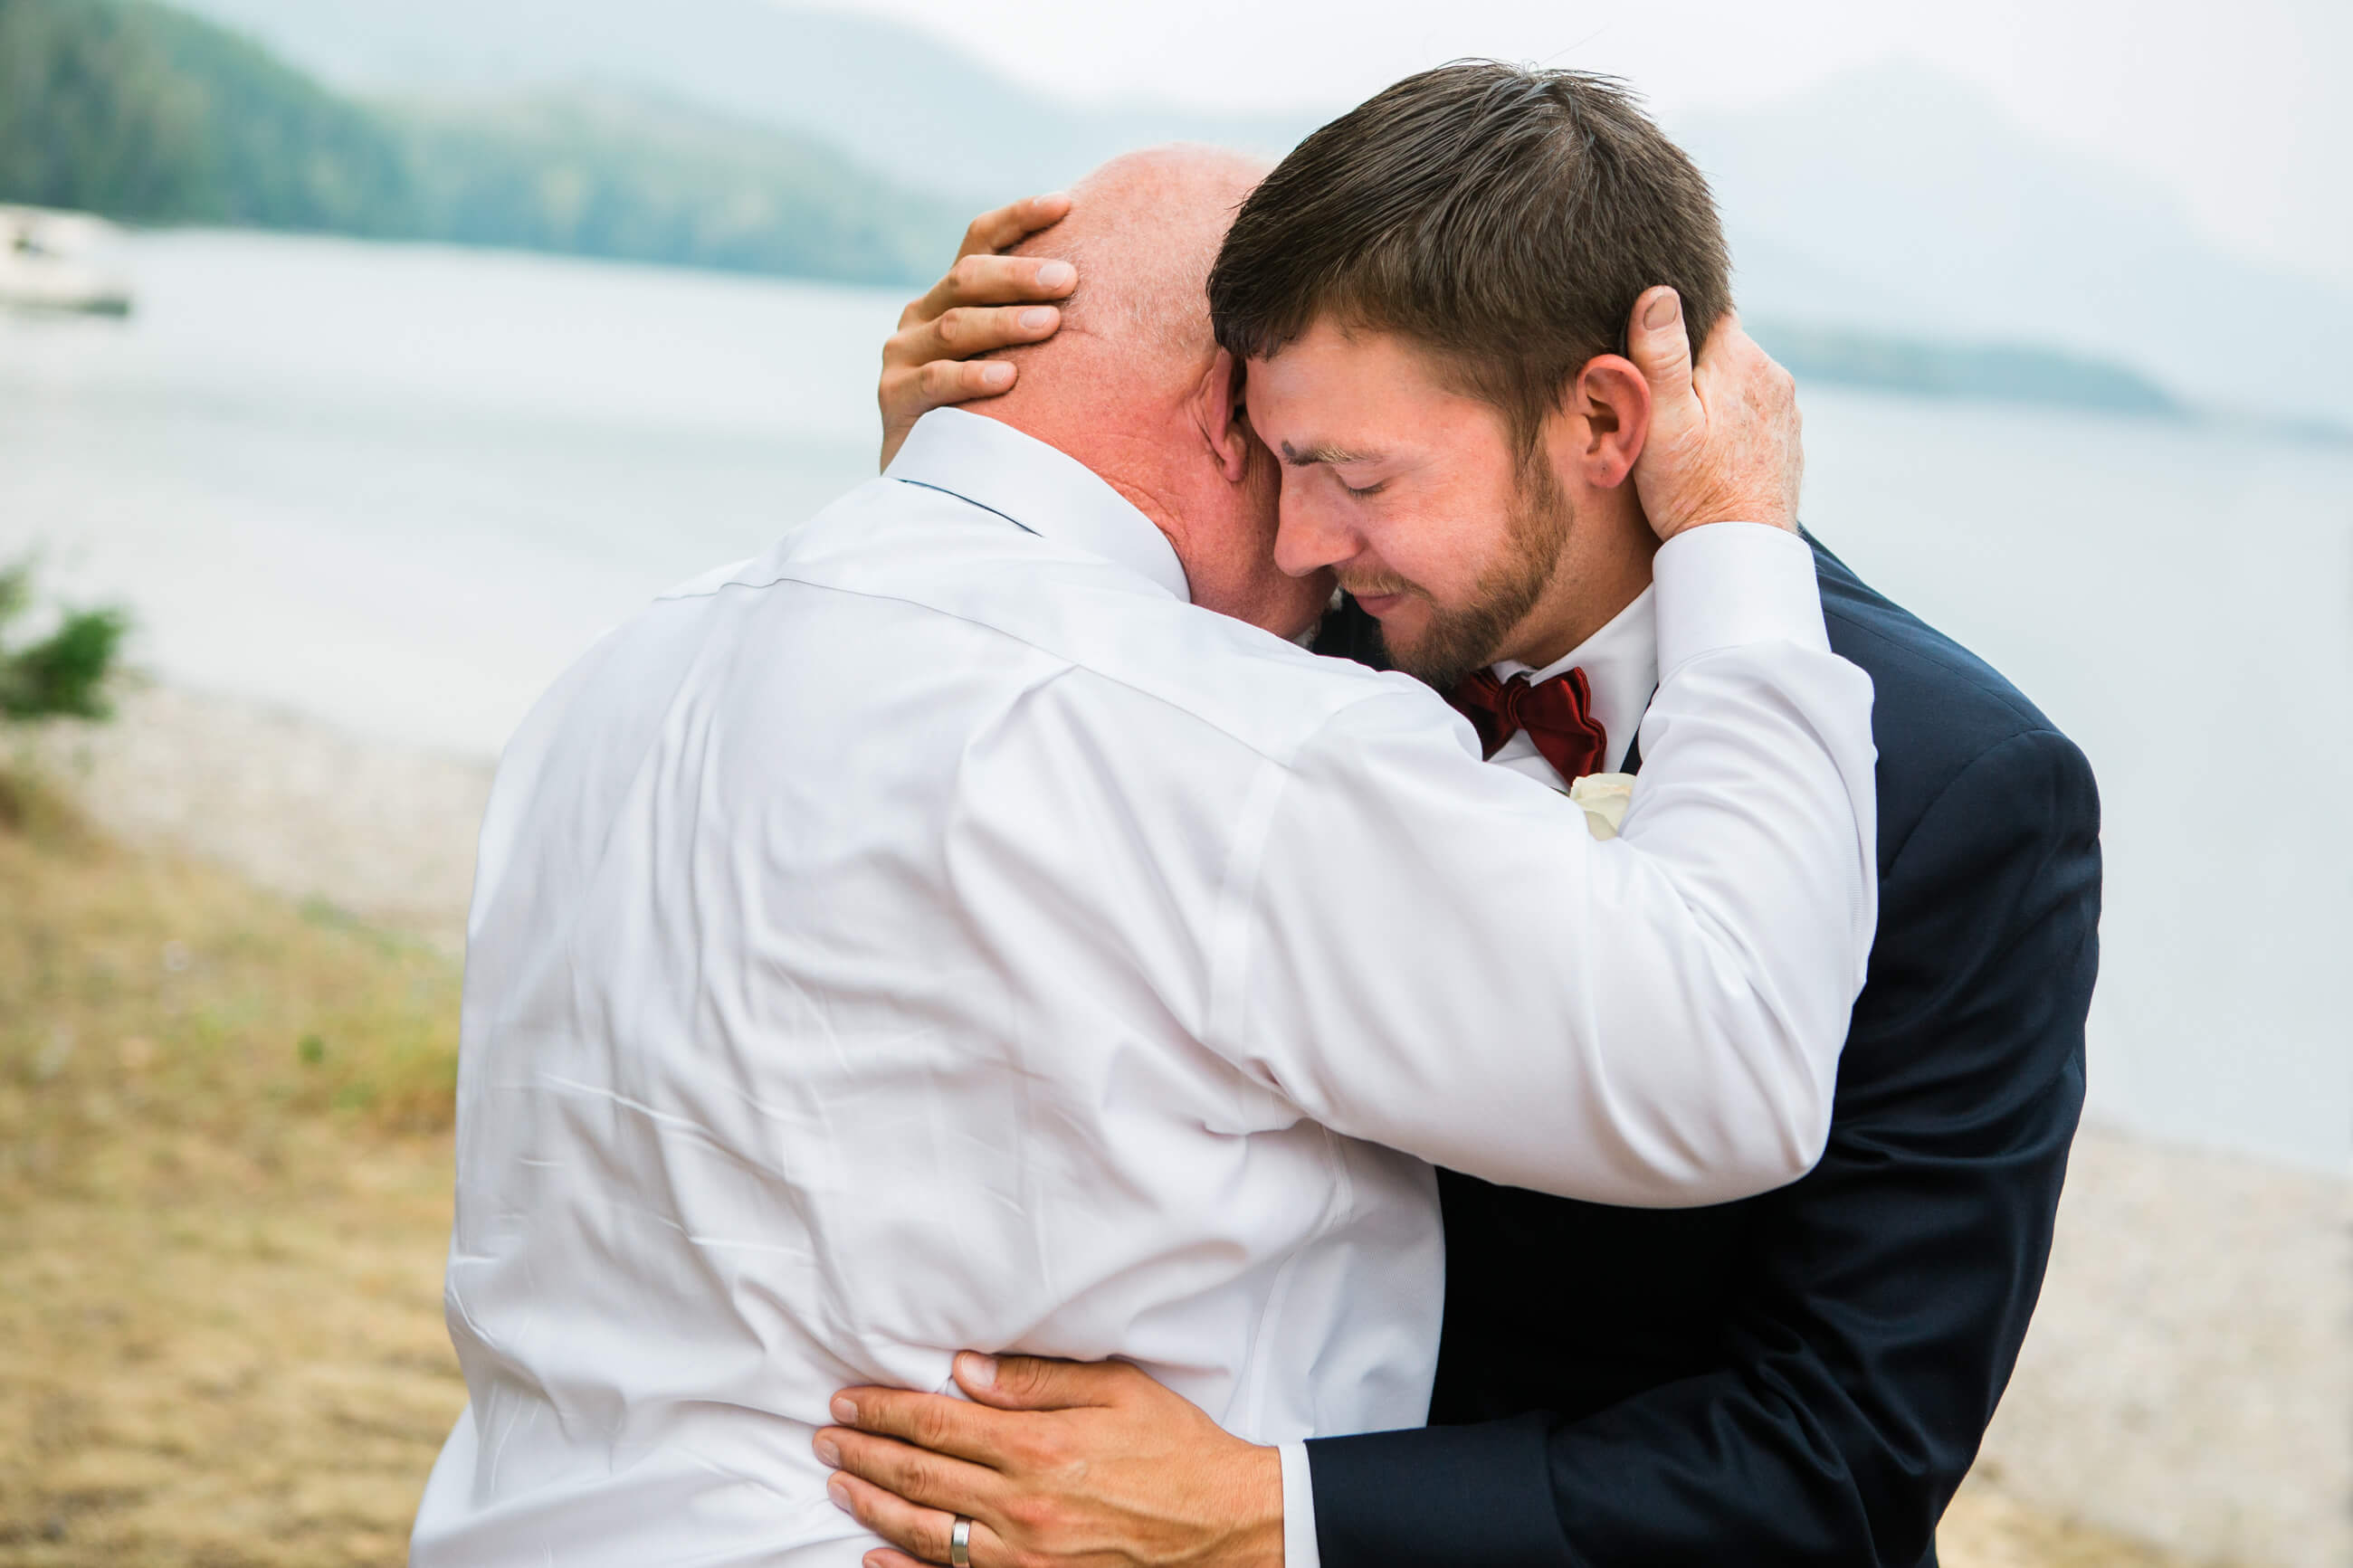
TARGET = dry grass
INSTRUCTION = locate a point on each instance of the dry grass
(223, 1202)
(220, 1335)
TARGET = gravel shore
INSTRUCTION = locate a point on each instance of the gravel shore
(299, 806)
(2188, 1381)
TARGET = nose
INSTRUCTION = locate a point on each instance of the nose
(1309, 536)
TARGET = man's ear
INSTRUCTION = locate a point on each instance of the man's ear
(1609, 406)
(1218, 410)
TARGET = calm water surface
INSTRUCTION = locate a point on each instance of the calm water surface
(401, 488)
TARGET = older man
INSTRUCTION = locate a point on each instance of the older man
(974, 922)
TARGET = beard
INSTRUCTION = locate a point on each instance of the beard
(1461, 639)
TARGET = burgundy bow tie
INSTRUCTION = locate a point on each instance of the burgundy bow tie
(1556, 714)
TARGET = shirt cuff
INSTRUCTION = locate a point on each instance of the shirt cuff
(1298, 1510)
(1723, 584)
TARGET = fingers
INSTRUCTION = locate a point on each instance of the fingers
(993, 280)
(918, 1533)
(967, 331)
(907, 394)
(1738, 380)
(1731, 363)
(944, 1425)
(1660, 347)
(925, 1480)
(1032, 1383)
(1007, 226)
(948, 380)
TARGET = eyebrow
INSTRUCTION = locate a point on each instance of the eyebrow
(1324, 452)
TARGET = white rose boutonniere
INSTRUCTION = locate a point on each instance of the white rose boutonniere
(1603, 797)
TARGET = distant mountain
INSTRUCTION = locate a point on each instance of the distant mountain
(142, 112)
(1896, 200)
(915, 108)
(2000, 372)
(1891, 207)
(607, 173)
(1891, 202)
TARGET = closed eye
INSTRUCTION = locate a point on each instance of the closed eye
(1375, 487)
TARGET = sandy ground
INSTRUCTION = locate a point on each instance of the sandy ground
(2187, 1385)
(2189, 1374)
(297, 806)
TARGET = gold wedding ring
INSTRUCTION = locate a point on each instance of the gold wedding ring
(960, 1544)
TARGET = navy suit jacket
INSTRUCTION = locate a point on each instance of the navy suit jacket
(1804, 1377)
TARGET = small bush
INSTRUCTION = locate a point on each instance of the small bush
(66, 674)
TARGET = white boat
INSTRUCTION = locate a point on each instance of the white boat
(51, 260)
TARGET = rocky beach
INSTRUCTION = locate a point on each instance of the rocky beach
(2185, 1395)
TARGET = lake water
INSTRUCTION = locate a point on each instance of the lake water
(401, 488)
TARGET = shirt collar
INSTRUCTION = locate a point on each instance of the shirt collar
(1036, 488)
(1620, 663)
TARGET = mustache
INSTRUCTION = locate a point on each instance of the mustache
(1373, 586)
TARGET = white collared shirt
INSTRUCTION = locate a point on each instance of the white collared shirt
(939, 933)
(1622, 668)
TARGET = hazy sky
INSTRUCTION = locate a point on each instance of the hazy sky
(2243, 110)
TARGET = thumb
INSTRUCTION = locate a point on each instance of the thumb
(1660, 347)
(1032, 1383)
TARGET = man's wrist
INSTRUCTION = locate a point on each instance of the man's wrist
(1724, 584)
(1732, 514)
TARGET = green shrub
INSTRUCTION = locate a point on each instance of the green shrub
(66, 674)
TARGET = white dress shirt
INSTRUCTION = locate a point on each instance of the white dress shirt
(939, 933)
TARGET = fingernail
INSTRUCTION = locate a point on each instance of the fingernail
(1055, 197)
(1663, 310)
(844, 1411)
(839, 1490)
(980, 1369)
(828, 1454)
(1038, 317)
(996, 375)
(1054, 274)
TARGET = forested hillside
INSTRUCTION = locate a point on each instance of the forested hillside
(144, 113)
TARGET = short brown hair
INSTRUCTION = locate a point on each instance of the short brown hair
(1504, 217)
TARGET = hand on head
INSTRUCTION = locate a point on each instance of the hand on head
(1724, 441)
(987, 301)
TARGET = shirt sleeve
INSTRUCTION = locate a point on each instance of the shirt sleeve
(1299, 1548)
(1438, 956)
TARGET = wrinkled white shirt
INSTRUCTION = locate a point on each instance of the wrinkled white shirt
(939, 933)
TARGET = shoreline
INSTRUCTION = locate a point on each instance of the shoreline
(2187, 1382)
(380, 831)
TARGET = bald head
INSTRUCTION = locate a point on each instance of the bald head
(1136, 387)
(1144, 232)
